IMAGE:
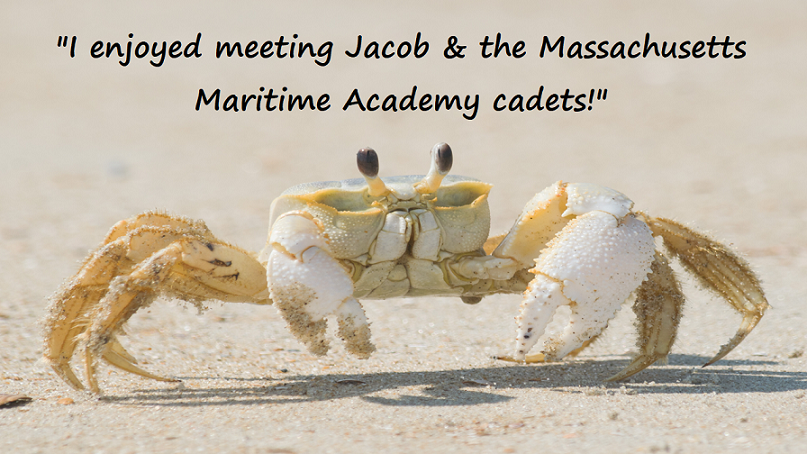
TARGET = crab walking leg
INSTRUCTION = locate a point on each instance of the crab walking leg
(120, 358)
(70, 306)
(155, 219)
(307, 284)
(127, 294)
(70, 313)
(592, 265)
(658, 306)
(718, 269)
(117, 356)
(191, 268)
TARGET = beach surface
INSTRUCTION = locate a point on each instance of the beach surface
(717, 143)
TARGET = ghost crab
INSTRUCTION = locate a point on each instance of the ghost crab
(332, 243)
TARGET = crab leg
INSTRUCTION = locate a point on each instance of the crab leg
(658, 305)
(72, 304)
(718, 269)
(72, 310)
(155, 219)
(115, 355)
(94, 304)
(67, 324)
(68, 312)
(126, 296)
(307, 284)
(191, 268)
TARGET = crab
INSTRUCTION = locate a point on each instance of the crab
(332, 244)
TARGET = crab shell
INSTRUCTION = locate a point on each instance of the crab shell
(371, 235)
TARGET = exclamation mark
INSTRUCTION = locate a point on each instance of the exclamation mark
(602, 93)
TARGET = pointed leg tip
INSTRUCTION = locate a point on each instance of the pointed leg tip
(94, 389)
(724, 351)
(536, 358)
(115, 359)
(638, 364)
(78, 386)
(622, 375)
(508, 359)
(529, 359)
(712, 361)
(68, 376)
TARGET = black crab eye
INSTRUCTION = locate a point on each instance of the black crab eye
(367, 160)
(443, 157)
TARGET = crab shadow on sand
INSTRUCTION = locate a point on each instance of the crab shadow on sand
(474, 386)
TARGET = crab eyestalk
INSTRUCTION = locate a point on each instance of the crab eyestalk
(367, 160)
(441, 165)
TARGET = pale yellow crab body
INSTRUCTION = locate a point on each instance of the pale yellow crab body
(402, 244)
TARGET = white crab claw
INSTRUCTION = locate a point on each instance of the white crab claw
(593, 265)
(354, 328)
(307, 285)
(542, 298)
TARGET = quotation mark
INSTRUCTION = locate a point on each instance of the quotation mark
(63, 43)
(602, 93)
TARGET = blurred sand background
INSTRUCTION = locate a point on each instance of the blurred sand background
(718, 143)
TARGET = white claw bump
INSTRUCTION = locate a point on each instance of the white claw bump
(295, 232)
(587, 197)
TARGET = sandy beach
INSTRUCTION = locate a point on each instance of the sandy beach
(718, 143)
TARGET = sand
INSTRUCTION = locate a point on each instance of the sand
(717, 143)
